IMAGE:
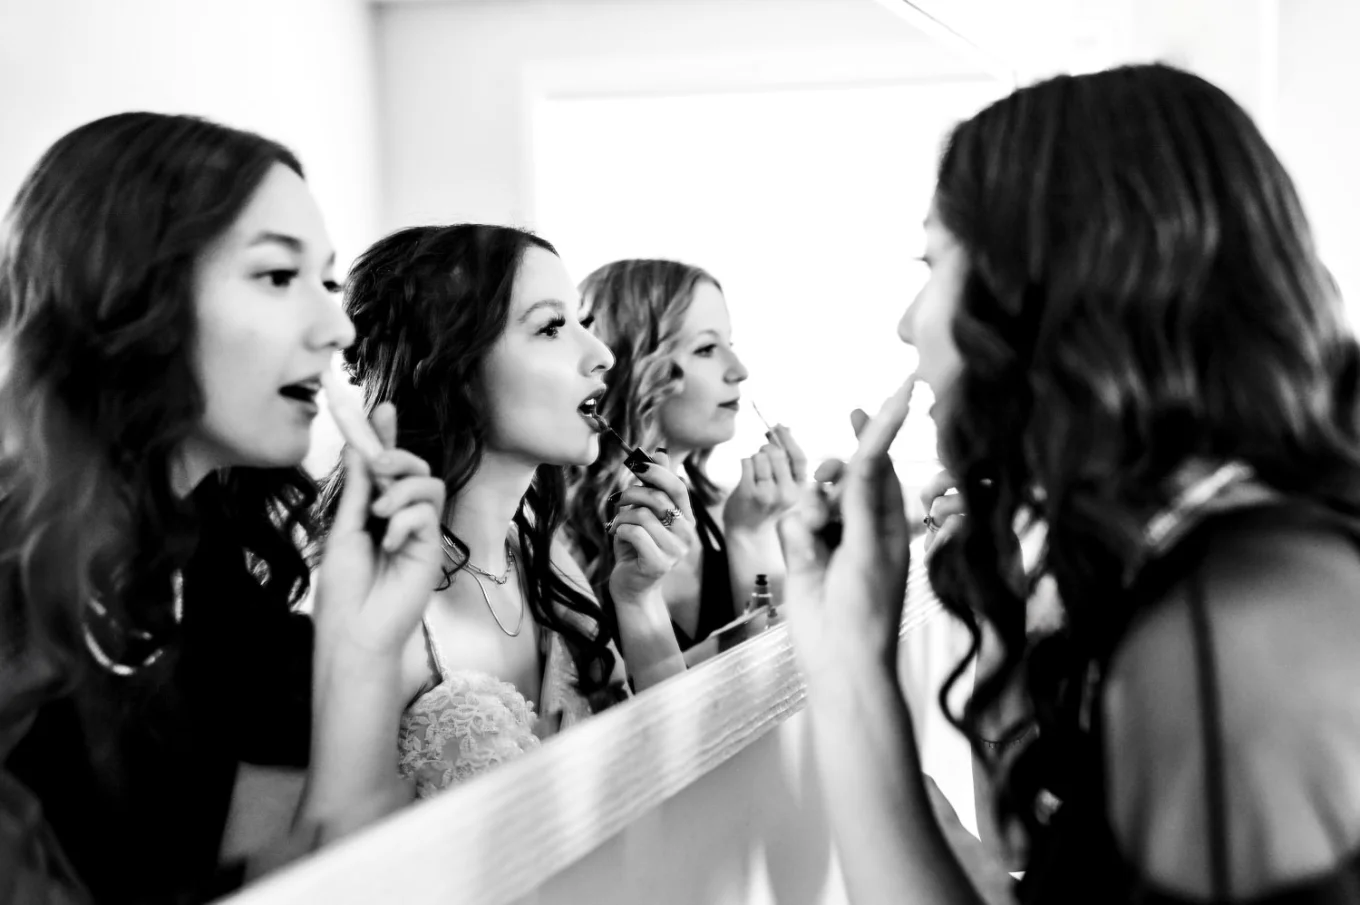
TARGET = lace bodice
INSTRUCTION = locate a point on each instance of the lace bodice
(469, 722)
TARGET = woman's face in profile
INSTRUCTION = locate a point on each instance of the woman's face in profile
(542, 368)
(268, 324)
(928, 323)
(702, 411)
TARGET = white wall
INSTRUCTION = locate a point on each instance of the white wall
(298, 71)
(453, 78)
(1318, 127)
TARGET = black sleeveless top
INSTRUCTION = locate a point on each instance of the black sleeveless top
(1077, 859)
(716, 607)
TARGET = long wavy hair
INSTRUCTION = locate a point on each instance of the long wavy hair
(1143, 291)
(97, 278)
(636, 307)
(428, 303)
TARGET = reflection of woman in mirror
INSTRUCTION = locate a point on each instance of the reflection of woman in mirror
(471, 331)
(168, 305)
(1131, 338)
(676, 383)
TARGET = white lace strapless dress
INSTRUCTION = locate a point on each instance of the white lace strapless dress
(472, 721)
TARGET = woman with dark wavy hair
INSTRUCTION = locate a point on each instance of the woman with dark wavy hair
(1132, 341)
(166, 309)
(471, 331)
(677, 384)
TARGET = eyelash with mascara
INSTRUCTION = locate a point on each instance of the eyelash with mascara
(283, 277)
(553, 325)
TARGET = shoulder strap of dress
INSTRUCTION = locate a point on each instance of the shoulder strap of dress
(433, 648)
(1211, 732)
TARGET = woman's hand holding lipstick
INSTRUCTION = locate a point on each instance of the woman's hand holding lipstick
(652, 530)
(370, 595)
(770, 485)
(846, 602)
(373, 590)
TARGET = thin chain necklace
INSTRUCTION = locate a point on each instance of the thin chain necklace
(479, 573)
(117, 667)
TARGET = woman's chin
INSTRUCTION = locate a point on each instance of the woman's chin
(584, 456)
(723, 433)
(288, 455)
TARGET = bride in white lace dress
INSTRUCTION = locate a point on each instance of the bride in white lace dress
(472, 332)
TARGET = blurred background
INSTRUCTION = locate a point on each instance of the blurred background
(787, 146)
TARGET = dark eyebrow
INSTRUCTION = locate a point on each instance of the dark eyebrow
(556, 305)
(292, 243)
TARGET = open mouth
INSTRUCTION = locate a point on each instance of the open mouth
(302, 391)
(589, 407)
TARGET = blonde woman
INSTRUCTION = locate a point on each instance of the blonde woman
(676, 384)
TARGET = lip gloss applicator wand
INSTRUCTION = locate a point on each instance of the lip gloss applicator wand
(636, 457)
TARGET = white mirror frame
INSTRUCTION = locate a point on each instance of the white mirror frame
(496, 839)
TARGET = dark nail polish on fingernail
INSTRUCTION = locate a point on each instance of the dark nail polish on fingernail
(662, 451)
(769, 436)
(614, 498)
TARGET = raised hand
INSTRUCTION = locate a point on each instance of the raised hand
(847, 603)
(652, 531)
(770, 485)
(372, 592)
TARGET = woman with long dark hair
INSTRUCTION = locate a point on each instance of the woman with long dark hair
(471, 331)
(166, 311)
(1131, 341)
(677, 383)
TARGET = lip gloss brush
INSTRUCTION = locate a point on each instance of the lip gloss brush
(636, 457)
(769, 431)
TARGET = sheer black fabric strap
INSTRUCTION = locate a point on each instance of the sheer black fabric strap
(1211, 725)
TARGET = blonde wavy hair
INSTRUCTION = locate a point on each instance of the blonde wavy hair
(635, 307)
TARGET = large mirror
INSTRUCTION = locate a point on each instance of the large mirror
(788, 150)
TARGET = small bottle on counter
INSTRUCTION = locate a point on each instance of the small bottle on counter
(760, 595)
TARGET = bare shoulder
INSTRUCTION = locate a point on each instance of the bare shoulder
(1282, 629)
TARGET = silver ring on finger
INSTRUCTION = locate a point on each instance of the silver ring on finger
(670, 516)
(931, 524)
